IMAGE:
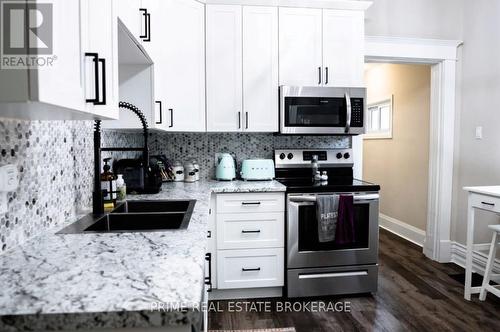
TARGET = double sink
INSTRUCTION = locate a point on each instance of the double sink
(137, 216)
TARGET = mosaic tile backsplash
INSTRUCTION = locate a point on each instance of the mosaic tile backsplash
(203, 146)
(54, 160)
(55, 163)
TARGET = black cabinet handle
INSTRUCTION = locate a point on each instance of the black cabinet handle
(326, 73)
(319, 75)
(171, 110)
(249, 270)
(239, 120)
(161, 112)
(146, 37)
(246, 120)
(250, 203)
(95, 58)
(255, 231)
(208, 280)
(103, 75)
(486, 203)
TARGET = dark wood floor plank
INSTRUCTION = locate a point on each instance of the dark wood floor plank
(415, 294)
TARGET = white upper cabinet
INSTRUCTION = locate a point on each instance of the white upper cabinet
(100, 57)
(260, 68)
(55, 89)
(300, 42)
(321, 47)
(224, 68)
(176, 46)
(242, 68)
(343, 47)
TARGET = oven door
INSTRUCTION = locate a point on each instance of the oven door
(304, 248)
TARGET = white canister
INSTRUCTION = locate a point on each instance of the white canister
(189, 172)
(178, 170)
(196, 169)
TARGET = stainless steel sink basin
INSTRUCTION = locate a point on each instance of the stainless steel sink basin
(137, 216)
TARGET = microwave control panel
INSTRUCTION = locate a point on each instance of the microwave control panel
(357, 105)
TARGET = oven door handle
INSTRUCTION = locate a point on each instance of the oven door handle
(312, 198)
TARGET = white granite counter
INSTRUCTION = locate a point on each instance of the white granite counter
(77, 281)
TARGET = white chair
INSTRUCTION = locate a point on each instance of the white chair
(486, 287)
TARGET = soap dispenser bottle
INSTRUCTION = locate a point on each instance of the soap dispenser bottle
(108, 183)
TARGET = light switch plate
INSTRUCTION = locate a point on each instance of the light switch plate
(479, 132)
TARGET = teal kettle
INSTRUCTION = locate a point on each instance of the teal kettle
(226, 167)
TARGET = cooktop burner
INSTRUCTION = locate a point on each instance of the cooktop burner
(332, 185)
(294, 170)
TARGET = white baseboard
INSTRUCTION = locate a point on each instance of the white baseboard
(479, 259)
(407, 232)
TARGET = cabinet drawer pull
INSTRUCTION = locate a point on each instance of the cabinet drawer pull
(326, 74)
(319, 75)
(486, 203)
(250, 270)
(250, 203)
(255, 231)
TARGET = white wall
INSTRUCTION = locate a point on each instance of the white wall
(441, 19)
(478, 160)
(477, 23)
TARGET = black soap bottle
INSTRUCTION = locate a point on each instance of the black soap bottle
(108, 183)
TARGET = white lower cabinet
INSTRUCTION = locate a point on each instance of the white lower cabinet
(248, 242)
(250, 268)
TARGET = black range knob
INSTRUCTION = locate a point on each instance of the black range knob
(347, 155)
(282, 156)
(339, 155)
(290, 156)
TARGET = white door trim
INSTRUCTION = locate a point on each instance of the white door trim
(442, 55)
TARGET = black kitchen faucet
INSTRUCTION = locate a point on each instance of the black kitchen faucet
(99, 193)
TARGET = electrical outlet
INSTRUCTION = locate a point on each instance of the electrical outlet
(9, 181)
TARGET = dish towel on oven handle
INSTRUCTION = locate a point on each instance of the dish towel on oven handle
(327, 209)
(345, 226)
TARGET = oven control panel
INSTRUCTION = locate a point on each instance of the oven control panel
(298, 158)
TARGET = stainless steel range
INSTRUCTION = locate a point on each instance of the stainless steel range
(317, 268)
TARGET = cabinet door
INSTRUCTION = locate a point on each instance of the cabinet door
(130, 14)
(62, 83)
(224, 72)
(260, 68)
(101, 28)
(156, 48)
(180, 68)
(343, 47)
(300, 43)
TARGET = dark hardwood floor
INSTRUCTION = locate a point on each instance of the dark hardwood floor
(415, 294)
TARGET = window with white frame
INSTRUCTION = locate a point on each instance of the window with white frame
(379, 119)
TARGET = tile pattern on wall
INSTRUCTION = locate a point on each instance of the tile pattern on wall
(204, 146)
(54, 160)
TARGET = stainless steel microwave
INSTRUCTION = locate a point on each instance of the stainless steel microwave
(322, 110)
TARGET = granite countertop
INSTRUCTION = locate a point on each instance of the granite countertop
(77, 281)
